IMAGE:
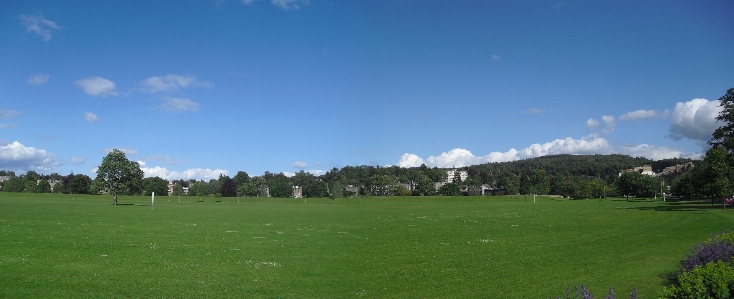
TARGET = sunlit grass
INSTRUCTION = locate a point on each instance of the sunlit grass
(409, 247)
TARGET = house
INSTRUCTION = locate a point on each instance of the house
(297, 192)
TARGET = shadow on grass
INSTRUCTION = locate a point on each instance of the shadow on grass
(683, 206)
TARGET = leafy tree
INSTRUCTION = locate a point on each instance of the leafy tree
(281, 187)
(424, 186)
(14, 184)
(118, 175)
(178, 190)
(724, 135)
(628, 182)
(247, 189)
(240, 178)
(30, 186)
(198, 188)
(43, 187)
(80, 184)
(155, 184)
(450, 189)
(228, 189)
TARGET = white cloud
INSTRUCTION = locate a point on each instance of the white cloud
(78, 160)
(91, 117)
(164, 159)
(16, 156)
(289, 4)
(695, 119)
(97, 86)
(6, 126)
(177, 105)
(534, 110)
(641, 114)
(496, 57)
(192, 173)
(410, 160)
(8, 113)
(128, 151)
(247, 2)
(38, 79)
(39, 25)
(300, 165)
(170, 83)
(313, 172)
(592, 123)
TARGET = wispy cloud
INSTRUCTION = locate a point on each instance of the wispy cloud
(97, 86)
(128, 151)
(299, 165)
(177, 105)
(170, 83)
(91, 117)
(6, 113)
(7, 126)
(165, 159)
(38, 79)
(289, 4)
(533, 111)
(39, 25)
(642, 114)
(78, 160)
(495, 57)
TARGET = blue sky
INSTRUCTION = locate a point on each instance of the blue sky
(192, 89)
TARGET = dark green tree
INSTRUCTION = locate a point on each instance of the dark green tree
(247, 189)
(43, 187)
(118, 175)
(628, 183)
(281, 187)
(155, 184)
(724, 135)
(240, 178)
(228, 189)
(14, 184)
(80, 184)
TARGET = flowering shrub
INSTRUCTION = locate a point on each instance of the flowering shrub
(719, 248)
(585, 294)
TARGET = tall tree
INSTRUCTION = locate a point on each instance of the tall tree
(240, 178)
(228, 189)
(118, 175)
(155, 184)
(80, 184)
(724, 135)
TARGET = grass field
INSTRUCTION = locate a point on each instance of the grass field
(65, 246)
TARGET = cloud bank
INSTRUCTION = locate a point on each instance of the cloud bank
(695, 120)
(189, 174)
(16, 156)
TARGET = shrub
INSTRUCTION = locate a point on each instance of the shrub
(719, 248)
(585, 294)
(712, 280)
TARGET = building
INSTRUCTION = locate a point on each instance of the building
(297, 192)
(450, 173)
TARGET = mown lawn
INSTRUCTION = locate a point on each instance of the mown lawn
(65, 246)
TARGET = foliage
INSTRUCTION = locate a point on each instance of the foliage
(155, 184)
(449, 189)
(43, 187)
(712, 280)
(584, 293)
(229, 188)
(178, 190)
(247, 189)
(280, 187)
(80, 184)
(240, 178)
(719, 248)
(724, 136)
(14, 184)
(118, 175)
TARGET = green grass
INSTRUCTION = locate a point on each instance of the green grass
(65, 246)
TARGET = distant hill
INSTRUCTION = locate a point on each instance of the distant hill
(578, 165)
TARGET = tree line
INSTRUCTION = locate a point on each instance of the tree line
(573, 176)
